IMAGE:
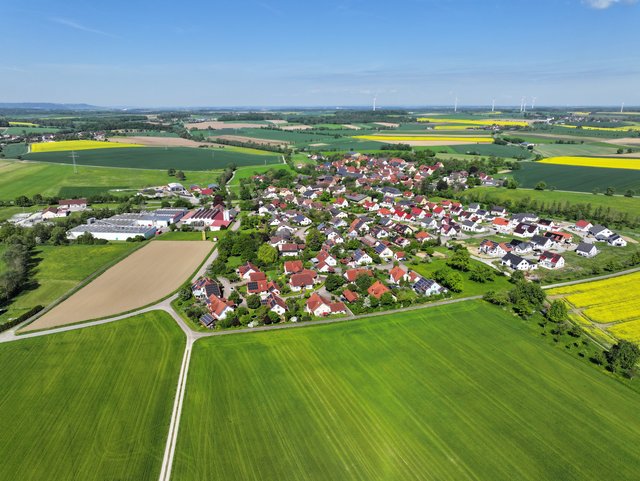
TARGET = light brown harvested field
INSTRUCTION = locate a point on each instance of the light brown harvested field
(295, 127)
(277, 122)
(217, 124)
(352, 127)
(625, 141)
(242, 138)
(387, 124)
(319, 144)
(147, 275)
(158, 141)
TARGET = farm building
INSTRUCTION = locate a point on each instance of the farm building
(103, 229)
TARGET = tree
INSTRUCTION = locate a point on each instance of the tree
(234, 297)
(180, 175)
(610, 191)
(442, 185)
(481, 273)
(541, 185)
(516, 277)
(497, 298)
(623, 356)
(171, 172)
(245, 192)
(460, 260)
(387, 299)
(58, 236)
(620, 151)
(334, 282)
(253, 301)
(267, 254)
(363, 282)
(185, 293)
(449, 278)
(629, 193)
(558, 311)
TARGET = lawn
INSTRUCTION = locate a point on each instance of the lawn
(163, 158)
(29, 178)
(58, 269)
(469, 287)
(92, 404)
(461, 392)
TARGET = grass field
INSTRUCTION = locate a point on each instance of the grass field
(495, 150)
(606, 301)
(29, 178)
(244, 173)
(163, 158)
(27, 130)
(92, 404)
(184, 236)
(462, 392)
(69, 145)
(601, 162)
(59, 269)
(586, 149)
(575, 178)
(419, 138)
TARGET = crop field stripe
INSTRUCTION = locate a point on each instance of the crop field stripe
(599, 162)
(448, 393)
(90, 404)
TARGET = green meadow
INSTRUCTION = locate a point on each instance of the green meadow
(29, 178)
(462, 392)
(183, 158)
(91, 404)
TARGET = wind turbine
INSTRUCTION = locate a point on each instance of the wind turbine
(493, 105)
(533, 103)
(455, 105)
(622, 108)
(375, 97)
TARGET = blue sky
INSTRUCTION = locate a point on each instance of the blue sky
(280, 52)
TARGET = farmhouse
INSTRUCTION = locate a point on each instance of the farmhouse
(73, 205)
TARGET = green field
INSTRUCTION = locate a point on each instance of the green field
(29, 178)
(578, 179)
(58, 269)
(18, 130)
(587, 149)
(495, 150)
(462, 392)
(244, 173)
(501, 196)
(184, 236)
(183, 158)
(11, 151)
(92, 404)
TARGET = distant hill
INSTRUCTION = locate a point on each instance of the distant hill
(46, 106)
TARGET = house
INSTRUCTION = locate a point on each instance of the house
(559, 237)
(471, 226)
(583, 226)
(492, 248)
(290, 249)
(383, 251)
(586, 250)
(427, 287)
(617, 241)
(352, 274)
(276, 304)
(498, 210)
(73, 205)
(525, 230)
(303, 280)
(378, 289)
(541, 243)
(262, 287)
(246, 270)
(549, 260)
(422, 236)
(501, 225)
(350, 296)
(400, 256)
(219, 307)
(516, 262)
(204, 288)
(324, 257)
(397, 274)
(293, 267)
(340, 202)
(361, 258)
(600, 232)
(54, 212)
(520, 247)
(318, 305)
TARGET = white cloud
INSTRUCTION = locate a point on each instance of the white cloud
(604, 4)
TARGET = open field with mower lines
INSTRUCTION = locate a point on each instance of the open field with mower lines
(161, 158)
(605, 301)
(69, 145)
(576, 178)
(92, 404)
(600, 162)
(462, 392)
(29, 178)
(149, 274)
(589, 149)
(58, 269)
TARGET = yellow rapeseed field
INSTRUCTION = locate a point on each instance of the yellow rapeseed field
(22, 124)
(627, 128)
(65, 145)
(426, 138)
(486, 123)
(604, 162)
(610, 300)
(626, 330)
